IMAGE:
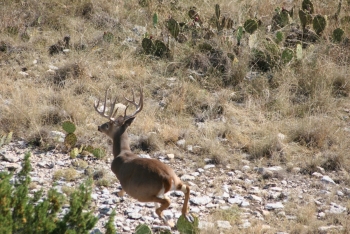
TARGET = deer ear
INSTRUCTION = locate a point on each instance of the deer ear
(129, 121)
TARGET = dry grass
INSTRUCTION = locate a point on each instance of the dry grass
(221, 113)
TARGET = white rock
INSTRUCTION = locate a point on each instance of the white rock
(200, 200)
(274, 206)
(327, 179)
(209, 166)
(223, 224)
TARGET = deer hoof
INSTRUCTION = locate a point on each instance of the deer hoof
(170, 223)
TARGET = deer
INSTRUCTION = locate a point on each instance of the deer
(144, 179)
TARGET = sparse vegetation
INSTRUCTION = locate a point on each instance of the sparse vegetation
(227, 79)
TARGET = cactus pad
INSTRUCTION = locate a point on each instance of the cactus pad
(147, 45)
(68, 126)
(305, 18)
(251, 25)
(338, 34)
(98, 153)
(307, 6)
(143, 229)
(319, 24)
(186, 227)
(217, 11)
(155, 19)
(173, 27)
(287, 55)
(74, 153)
(161, 49)
(70, 140)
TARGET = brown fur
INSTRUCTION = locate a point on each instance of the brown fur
(143, 179)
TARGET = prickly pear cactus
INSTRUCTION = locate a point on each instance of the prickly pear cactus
(287, 55)
(307, 6)
(155, 19)
(173, 27)
(98, 153)
(161, 49)
(186, 227)
(217, 11)
(147, 45)
(337, 35)
(68, 126)
(279, 36)
(281, 18)
(251, 25)
(143, 229)
(70, 140)
(74, 153)
(305, 18)
(108, 37)
(239, 34)
(319, 24)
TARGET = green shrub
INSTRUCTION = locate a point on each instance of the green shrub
(21, 213)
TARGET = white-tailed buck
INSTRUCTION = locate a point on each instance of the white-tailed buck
(144, 179)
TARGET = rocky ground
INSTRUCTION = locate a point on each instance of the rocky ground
(257, 193)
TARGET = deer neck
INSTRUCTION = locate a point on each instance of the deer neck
(120, 143)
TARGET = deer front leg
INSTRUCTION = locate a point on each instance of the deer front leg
(186, 190)
(164, 204)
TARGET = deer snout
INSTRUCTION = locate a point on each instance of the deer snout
(99, 128)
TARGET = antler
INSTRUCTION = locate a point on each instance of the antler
(138, 106)
(113, 112)
(111, 115)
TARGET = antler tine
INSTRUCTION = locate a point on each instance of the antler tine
(138, 106)
(103, 112)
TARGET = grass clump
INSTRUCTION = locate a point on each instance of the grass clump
(69, 174)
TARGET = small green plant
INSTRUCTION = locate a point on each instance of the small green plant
(5, 139)
(108, 37)
(109, 226)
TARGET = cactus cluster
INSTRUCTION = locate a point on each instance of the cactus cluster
(71, 139)
(222, 22)
(156, 48)
(288, 38)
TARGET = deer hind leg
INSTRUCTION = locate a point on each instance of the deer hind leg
(164, 204)
(185, 210)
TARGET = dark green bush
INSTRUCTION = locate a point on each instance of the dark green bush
(22, 213)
